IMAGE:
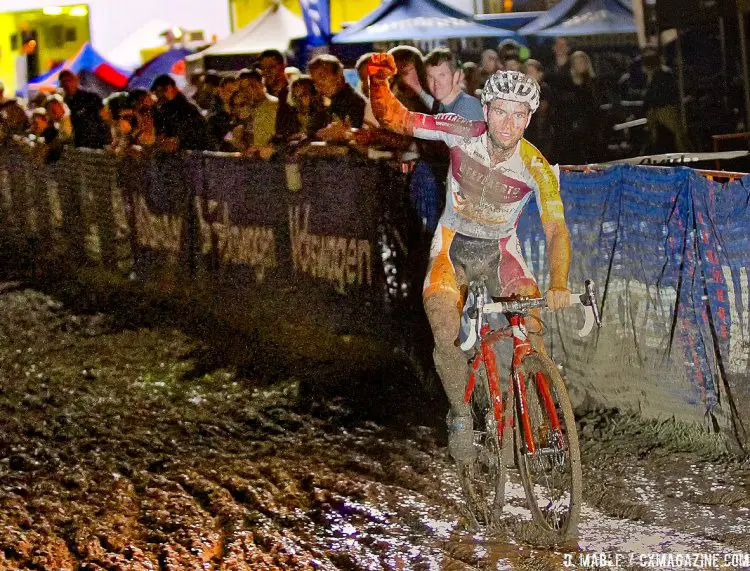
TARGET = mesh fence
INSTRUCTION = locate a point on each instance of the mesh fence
(667, 247)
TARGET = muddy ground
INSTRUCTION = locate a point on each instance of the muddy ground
(134, 436)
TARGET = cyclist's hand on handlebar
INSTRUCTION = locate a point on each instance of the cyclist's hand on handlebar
(557, 298)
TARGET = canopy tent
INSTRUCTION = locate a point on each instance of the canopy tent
(584, 18)
(128, 52)
(171, 62)
(96, 73)
(398, 20)
(273, 29)
(509, 20)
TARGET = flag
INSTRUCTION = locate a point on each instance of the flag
(317, 20)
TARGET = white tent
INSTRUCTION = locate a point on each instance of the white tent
(273, 29)
(128, 52)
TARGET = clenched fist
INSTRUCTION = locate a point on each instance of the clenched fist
(381, 66)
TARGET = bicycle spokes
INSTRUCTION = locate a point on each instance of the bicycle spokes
(549, 465)
(483, 481)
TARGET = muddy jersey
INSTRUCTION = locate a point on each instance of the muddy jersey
(484, 201)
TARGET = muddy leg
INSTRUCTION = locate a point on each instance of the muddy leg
(450, 361)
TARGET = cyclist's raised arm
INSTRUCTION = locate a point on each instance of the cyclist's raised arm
(552, 214)
(393, 115)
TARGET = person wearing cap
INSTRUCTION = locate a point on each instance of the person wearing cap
(494, 174)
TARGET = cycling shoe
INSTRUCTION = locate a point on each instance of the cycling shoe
(461, 439)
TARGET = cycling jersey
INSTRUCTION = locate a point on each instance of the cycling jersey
(482, 201)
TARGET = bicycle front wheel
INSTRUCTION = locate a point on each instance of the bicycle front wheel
(483, 481)
(547, 451)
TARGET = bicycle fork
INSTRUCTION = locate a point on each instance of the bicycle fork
(486, 355)
(521, 348)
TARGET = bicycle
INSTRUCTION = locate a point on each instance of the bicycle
(543, 427)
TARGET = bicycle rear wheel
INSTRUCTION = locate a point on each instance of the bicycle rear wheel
(547, 451)
(483, 481)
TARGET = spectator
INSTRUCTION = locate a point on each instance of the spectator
(471, 78)
(538, 131)
(89, 130)
(444, 78)
(114, 105)
(661, 101)
(39, 100)
(59, 114)
(243, 79)
(291, 73)
(272, 64)
(220, 121)
(178, 122)
(426, 186)
(254, 111)
(632, 84)
(410, 73)
(13, 119)
(142, 103)
(512, 62)
(509, 48)
(43, 136)
(40, 124)
(347, 107)
(207, 97)
(307, 105)
(576, 110)
(560, 72)
(489, 64)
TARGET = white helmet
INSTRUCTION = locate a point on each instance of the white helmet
(512, 86)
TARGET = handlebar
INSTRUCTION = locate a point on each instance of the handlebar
(521, 306)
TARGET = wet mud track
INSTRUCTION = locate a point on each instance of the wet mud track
(124, 446)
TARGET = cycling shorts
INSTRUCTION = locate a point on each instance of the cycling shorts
(499, 261)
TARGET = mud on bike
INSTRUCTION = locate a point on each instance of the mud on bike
(532, 414)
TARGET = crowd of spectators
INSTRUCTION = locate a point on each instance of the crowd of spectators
(259, 111)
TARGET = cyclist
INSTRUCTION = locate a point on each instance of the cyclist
(494, 172)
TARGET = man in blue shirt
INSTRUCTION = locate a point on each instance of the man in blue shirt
(444, 80)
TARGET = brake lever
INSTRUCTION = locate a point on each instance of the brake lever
(590, 308)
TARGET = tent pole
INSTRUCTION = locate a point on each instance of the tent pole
(743, 51)
(681, 79)
(723, 40)
(640, 22)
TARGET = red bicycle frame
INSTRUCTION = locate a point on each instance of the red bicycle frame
(521, 349)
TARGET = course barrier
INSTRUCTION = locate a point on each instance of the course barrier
(668, 247)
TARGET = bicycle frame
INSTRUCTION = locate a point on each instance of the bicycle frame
(522, 347)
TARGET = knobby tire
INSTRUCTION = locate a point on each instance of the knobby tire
(483, 482)
(553, 470)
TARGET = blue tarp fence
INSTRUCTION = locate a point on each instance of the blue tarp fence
(669, 251)
(668, 248)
